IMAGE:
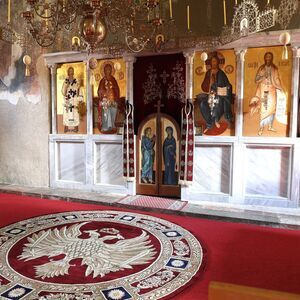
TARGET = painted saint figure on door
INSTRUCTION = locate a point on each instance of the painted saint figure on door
(265, 100)
(73, 95)
(169, 151)
(109, 95)
(148, 153)
(217, 98)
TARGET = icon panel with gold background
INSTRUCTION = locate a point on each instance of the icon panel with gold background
(214, 92)
(71, 98)
(148, 152)
(109, 92)
(267, 92)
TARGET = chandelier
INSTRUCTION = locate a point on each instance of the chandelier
(45, 18)
(134, 19)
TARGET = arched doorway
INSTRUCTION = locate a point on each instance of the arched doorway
(158, 156)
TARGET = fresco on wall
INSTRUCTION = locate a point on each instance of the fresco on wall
(214, 93)
(109, 91)
(13, 83)
(71, 98)
(267, 92)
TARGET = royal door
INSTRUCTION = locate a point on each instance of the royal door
(158, 156)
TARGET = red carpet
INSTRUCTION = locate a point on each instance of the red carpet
(154, 202)
(236, 253)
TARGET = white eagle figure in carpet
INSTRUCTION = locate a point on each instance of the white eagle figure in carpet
(99, 256)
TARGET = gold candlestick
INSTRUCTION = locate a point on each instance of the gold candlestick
(171, 10)
(188, 17)
(8, 12)
(224, 7)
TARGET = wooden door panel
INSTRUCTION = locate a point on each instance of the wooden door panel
(158, 142)
(144, 174)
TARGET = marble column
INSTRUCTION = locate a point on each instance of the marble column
(295, 180)
(239, 97)
(53, 70)
(295, 92)
(89, 99)
(52, 171)
(189, 62)
(129, 60)
(237, 190)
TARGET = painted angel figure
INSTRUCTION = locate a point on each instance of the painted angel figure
(148, 153)
(73, 95)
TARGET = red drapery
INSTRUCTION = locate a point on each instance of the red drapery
(160, 77)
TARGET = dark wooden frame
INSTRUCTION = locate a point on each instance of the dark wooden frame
(158, 188)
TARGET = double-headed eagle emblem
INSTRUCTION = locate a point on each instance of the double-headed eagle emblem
(98, 253)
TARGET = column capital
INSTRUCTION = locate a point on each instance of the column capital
(189, 55)
(296, 50)
(240, 53)
(129, 58)
(53, 68)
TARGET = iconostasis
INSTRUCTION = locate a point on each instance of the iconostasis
(267, 92)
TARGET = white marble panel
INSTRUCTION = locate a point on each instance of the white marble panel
(267, 171)
(71, 161)
(212, 169)
(109, 164)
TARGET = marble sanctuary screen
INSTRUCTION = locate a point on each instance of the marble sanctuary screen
(109, 91)
(71, 98)
(267, 92)
(214, 93)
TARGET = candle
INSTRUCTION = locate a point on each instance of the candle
(47, 15)
(235, 2)
(8, 12)
(188, 17)
(224, 6)
(132, 26)
(171, 10)
(268, 2)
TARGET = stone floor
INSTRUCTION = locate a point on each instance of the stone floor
(275, 217)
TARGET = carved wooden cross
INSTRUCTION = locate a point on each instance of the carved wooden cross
(159, 106)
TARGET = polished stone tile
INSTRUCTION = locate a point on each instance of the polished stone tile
(206, 211)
